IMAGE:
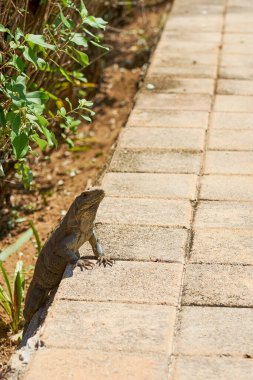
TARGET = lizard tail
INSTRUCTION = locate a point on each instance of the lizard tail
(35, 298)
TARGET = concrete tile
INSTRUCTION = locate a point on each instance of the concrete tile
(224, 215)
(233, 103)
(235, 87)
(197, 23)
(238, 27)
(185, 71)
(168, 119)
(241, 60)
(150, 212)
(229, 139)
(238, 38)
(224, 187)
(140, 243)
(150, 185)
(188, 47)
(215, 331)
(218, 285)
(155, 161)
(186, 102)
(236, 72)
(110, 327)
(226, 162)
(199, 368)
(212, 38)
(74, 364)
(162, 138)
(232, 120)
(157, 284)
(222, 246)
(182, 85)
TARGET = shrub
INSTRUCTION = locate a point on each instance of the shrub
(43, 52)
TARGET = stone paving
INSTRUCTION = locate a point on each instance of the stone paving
(178, 219)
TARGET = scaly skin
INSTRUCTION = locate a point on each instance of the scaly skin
(62, 247)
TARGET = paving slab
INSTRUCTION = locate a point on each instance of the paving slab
(228, 188)
(185, 102)
(130, 282)
(149, 212)
(229, 162)
(168, 119)
(233, 103)
(185, 71)
(213, 368)
(218, 285)
(74, 364)
(235, 87)
(110, 327)
(140, 243)
(218, 214)
(227, 139)
(236, 72)
(212, 38)
(215, 331)
(232, 120)
(164, 84)
(234, 60)
(150, 185)
(187, 47)
(224, 246)
(195, 23)
(163, 138)
(148, 161)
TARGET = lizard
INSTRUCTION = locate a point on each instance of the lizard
(61, 249)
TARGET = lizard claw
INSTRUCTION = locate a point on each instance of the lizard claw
(104, 261)
(86, 264)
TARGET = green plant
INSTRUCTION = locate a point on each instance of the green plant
(11, 299)
(36, 236)
(43, 51)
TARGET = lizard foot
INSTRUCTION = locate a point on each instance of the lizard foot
(86, 264)
(104, 261)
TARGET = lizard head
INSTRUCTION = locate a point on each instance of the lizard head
(89, 199)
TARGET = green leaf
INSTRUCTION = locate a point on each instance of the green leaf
(15, 121)
(2, 117)
(83, 10)
(5, 30)
(30, 56)
(65, 74)
(98, 45)
(81, 57)
(18, 63)
(42, 144)
(22, 239)
(20, 144)
(38, 39)
(79, 39)
(63, 19)
(51, 139)
(18, 34)
(95, 22)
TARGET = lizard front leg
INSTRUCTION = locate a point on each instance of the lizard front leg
(72, 256)
(98, 251)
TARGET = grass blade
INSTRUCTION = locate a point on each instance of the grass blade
(17, 245)
(6, 280)
(36, 236)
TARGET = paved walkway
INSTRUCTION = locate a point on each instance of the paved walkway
(178, 217)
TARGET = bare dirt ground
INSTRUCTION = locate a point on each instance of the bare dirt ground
(64, 173)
